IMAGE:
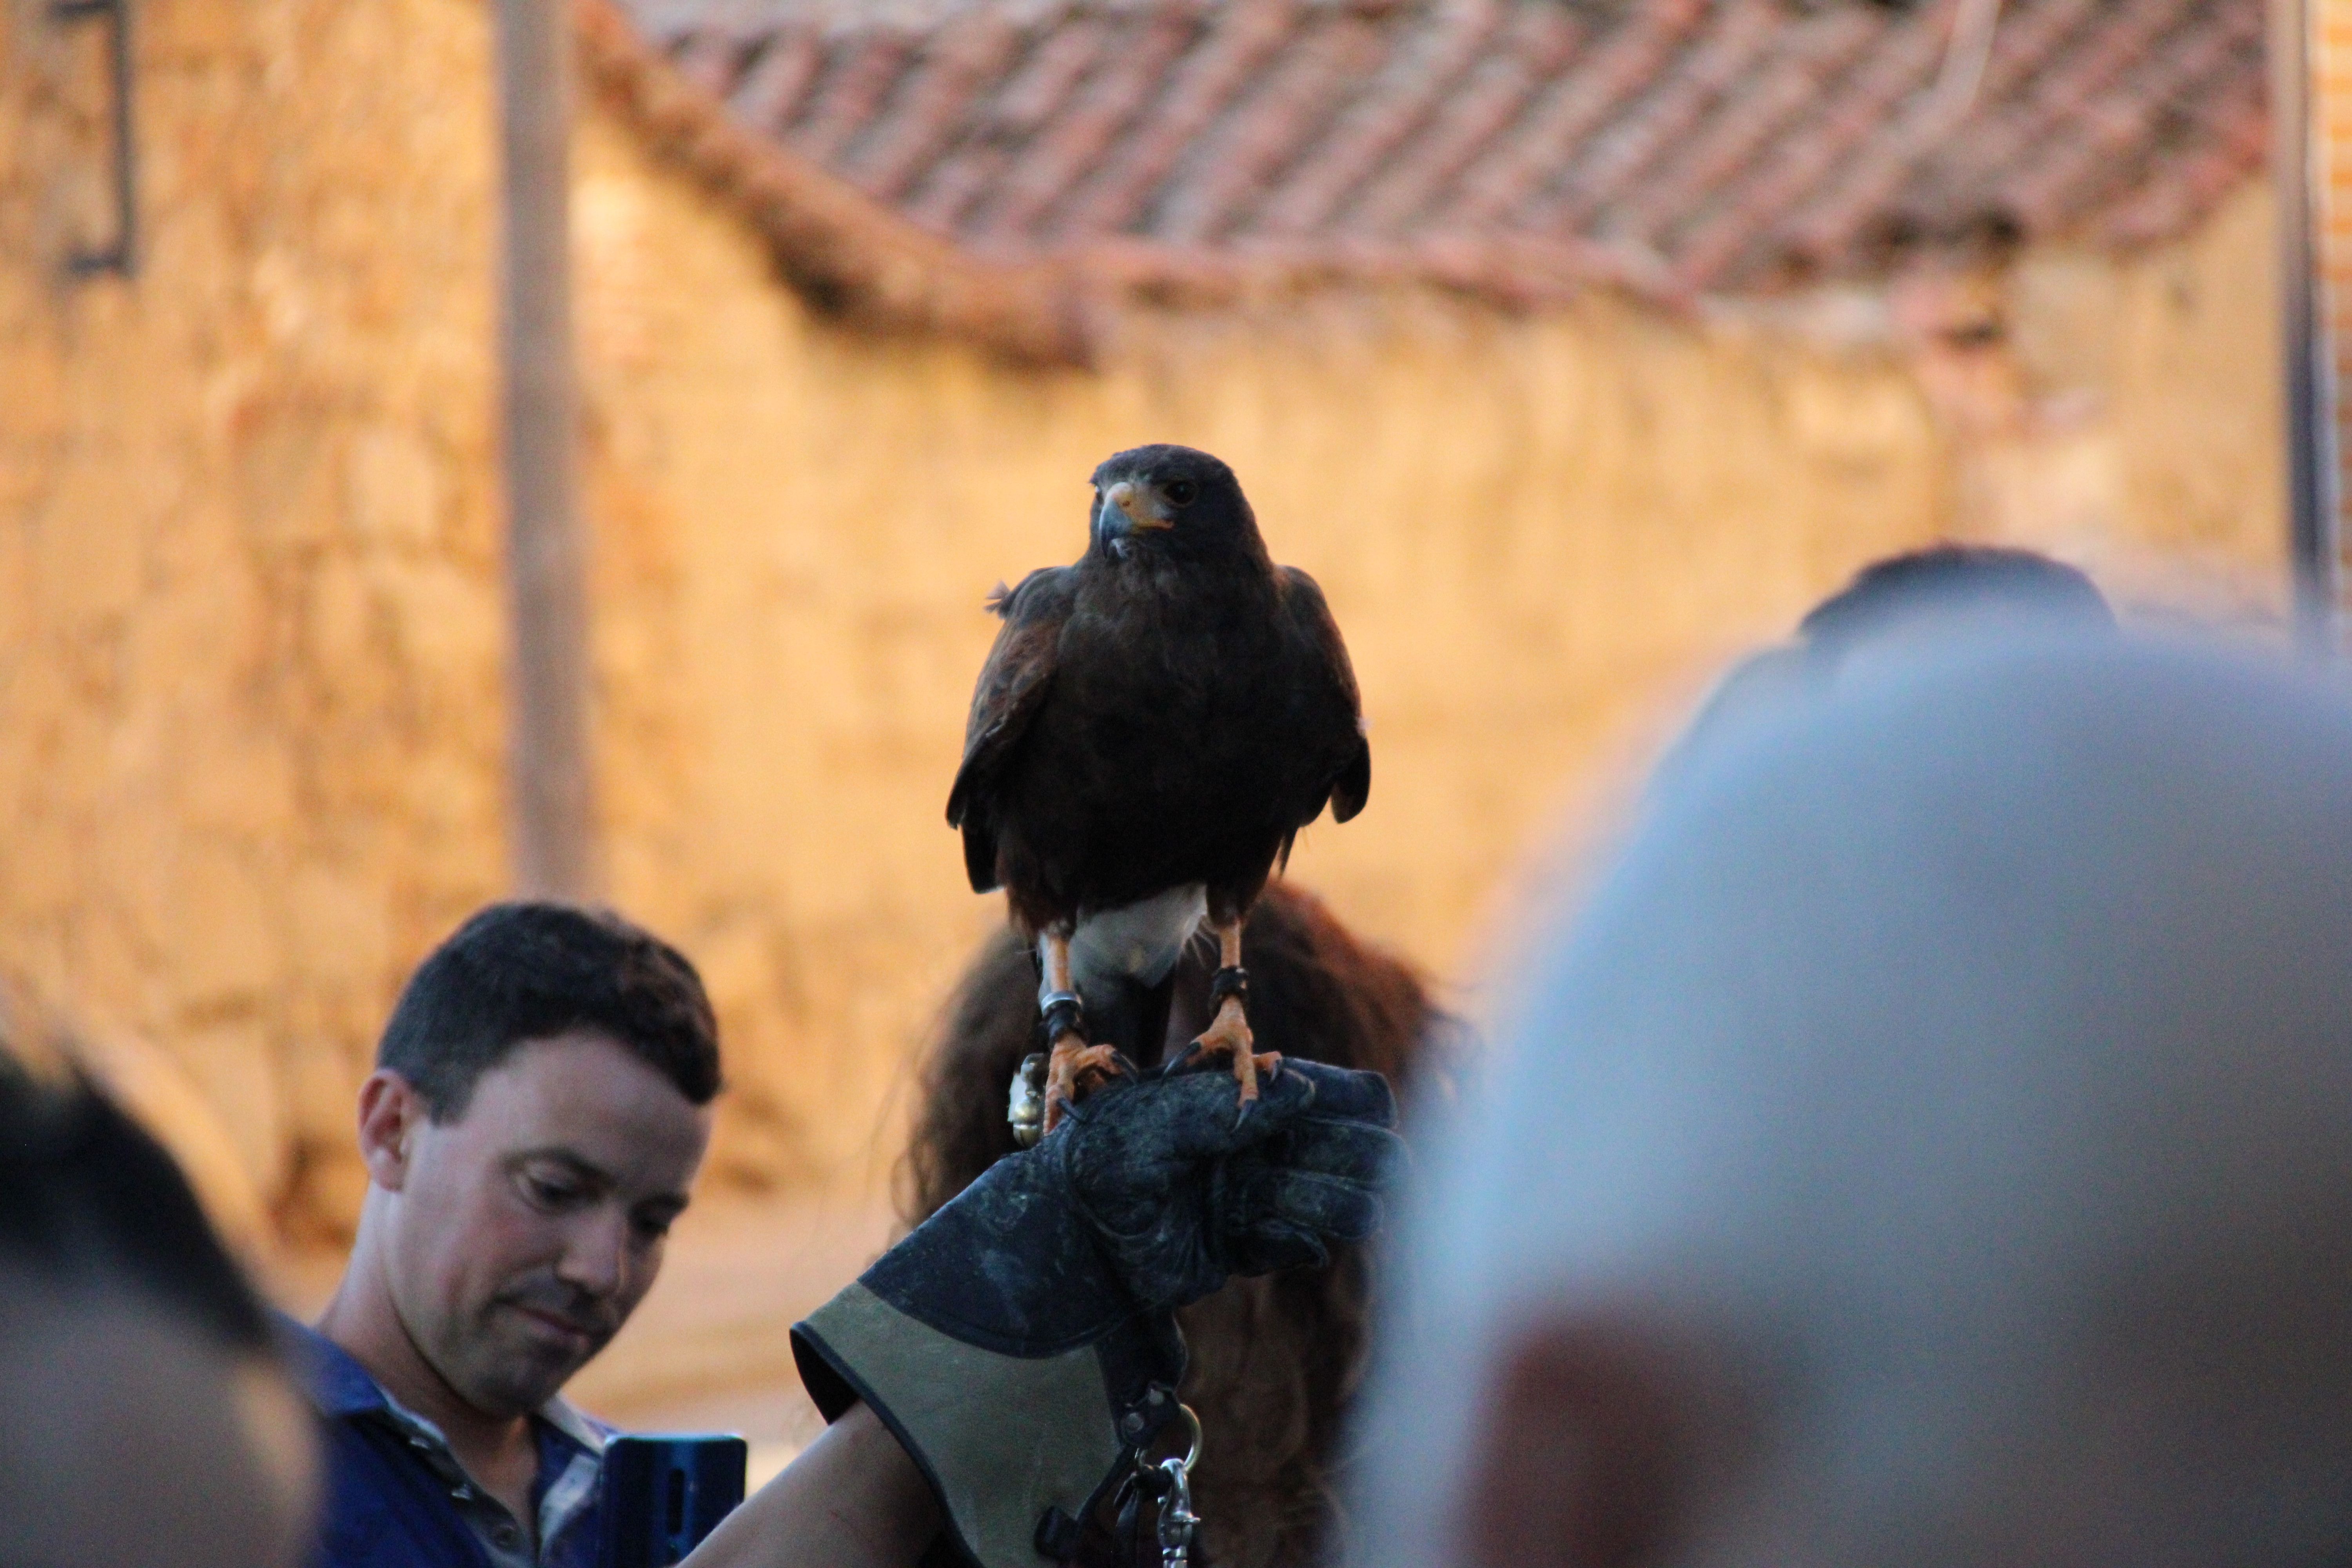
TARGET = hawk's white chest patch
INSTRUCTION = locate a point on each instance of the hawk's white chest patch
(1140, 941)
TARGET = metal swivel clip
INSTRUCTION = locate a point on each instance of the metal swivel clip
(1178, 1523)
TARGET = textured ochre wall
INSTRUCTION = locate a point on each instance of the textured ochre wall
(249, 627)
(1541, 533)
(2126, 414)
(250, 708)
(1531, 529)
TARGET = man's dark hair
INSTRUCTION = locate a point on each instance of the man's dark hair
(521, 972)
(1885, 593)
(89, 1202)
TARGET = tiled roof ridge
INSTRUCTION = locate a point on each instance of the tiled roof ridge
(1004, 168)
(836, 242)
(922, 19)
(860, 257)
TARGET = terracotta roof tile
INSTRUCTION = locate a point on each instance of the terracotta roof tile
(768, 94)
(1468, 120)
(1525, 147)
(1391, 105)
(971, 52)
(1050, 173)
(1732, 163)
(1235, 163)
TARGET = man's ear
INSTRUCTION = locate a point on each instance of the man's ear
(391, 1112)
(1590, 1436)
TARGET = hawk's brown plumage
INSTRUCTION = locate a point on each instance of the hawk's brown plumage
(1166, 713)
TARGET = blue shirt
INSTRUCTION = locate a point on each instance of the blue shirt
(397, 1498)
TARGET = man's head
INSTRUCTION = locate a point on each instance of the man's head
(539, 1107)
(144, 1418)
(1933, 592)
(1894, 609)
(1932, 1144)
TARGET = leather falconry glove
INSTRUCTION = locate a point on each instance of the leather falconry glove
(1023, 1341)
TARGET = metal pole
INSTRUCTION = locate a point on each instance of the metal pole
(550, 787)
(2312, 477)
(120, 255)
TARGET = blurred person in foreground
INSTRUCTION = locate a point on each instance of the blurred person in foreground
(539, 1109)
(1932, 1145)
(145, 1420)
(1273, 1361)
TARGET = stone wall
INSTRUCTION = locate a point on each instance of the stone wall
(1533, 528)
(2125, 414)
(250, 711)
(249, 629)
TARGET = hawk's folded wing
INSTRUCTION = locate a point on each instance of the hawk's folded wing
(1333, 681)
(1013, 684)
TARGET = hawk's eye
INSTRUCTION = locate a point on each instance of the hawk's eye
(1182, 493)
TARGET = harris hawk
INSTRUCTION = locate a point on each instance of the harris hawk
(1154, 724)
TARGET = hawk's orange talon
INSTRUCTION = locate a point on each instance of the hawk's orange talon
(1075, 1069)
(1230, 1036)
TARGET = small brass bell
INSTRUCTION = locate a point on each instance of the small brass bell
(1025, 1107)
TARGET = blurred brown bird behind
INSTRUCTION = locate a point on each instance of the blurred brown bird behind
(1273, 1361)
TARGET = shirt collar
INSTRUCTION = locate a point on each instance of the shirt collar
(567, 1494)
(583, 1433)
(339, 1386)
(337, 1383)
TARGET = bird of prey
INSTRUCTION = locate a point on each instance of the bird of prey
(1154, 725)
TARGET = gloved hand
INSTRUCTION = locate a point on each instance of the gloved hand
(1022, 1339)
(1300, 1168)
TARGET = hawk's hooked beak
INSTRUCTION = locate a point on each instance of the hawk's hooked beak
(1129, 508)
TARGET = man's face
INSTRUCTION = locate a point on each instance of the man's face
(528, 1229)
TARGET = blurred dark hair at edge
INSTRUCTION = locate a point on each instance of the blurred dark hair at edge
(91, 1203)
(1273, 1361)
(1885, 601)
(532, 970)
(1885, 593)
